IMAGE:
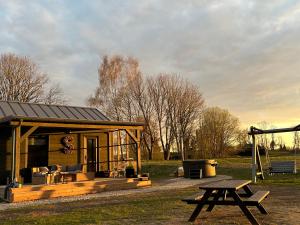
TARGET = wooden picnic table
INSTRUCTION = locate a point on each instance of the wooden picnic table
(227, 192)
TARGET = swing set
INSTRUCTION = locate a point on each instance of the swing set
(284, 167)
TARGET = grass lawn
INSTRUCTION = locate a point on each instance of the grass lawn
(166, 207)
(144, 208)
(237, 167)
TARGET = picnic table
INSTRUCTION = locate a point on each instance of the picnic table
(228, 192)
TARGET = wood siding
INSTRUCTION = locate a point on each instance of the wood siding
(5, 154)
(56, 154)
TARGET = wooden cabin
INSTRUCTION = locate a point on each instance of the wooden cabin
(38, 135)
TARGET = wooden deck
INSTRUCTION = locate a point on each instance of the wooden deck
(35, 192)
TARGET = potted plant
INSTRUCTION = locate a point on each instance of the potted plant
(130, 171)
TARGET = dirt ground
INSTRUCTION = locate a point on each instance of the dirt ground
(283, 205)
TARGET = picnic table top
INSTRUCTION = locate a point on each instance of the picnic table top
(225, 184)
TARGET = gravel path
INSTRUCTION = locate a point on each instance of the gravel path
(171, 184)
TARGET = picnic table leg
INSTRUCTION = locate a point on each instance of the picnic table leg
(200, 206)
(244, 209)
(261, 209)
(216, 198)
(248, 190)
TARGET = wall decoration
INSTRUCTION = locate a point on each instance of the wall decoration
(67, 141)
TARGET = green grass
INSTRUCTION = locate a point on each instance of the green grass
(238, 167)
(160, 169)
(144, 208)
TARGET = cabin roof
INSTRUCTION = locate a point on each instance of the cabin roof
(11, 109)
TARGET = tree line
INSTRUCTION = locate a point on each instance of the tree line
(177, 121)
(172, 108)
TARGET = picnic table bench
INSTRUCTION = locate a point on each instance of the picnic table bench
(226, 192)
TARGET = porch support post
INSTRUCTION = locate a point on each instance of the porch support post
(28, 133)
(138, 152)
(110, 150)
(17, 154)
(24, 143)
(127, 147)
(253, 158)
(132, 135)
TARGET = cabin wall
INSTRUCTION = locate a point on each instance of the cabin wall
(104, 143)
(78, 155)
(5, 154)
(56, 154)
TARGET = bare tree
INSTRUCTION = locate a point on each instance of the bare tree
(242, 138)
(21, 80)
(157, 90)
(296, 141)
(167, 104)
(184, 105)
(264, 139)
(141, 96)
(280, 142)
(55, 96)
(112, 95)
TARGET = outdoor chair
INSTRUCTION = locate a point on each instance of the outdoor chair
(40, 175)
(72, 173)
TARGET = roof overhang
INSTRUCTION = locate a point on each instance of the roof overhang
(69, 123)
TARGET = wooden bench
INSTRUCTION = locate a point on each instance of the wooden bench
(257, 197)
(194, 199)
(283, 167)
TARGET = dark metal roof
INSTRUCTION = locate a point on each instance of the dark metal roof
(41, 111)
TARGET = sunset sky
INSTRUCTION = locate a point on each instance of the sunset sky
(243, 55)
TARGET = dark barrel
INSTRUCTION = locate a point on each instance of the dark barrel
(206, 166)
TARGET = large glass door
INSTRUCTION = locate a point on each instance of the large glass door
(92, 150)
(37, 152)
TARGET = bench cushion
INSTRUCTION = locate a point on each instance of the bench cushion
(257, 197)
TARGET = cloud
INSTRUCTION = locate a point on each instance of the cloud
(243, 54)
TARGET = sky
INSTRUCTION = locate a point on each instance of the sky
(243, 55)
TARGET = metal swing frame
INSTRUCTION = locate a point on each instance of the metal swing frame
(257, 170)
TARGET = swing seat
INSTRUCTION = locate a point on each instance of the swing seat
(283, 167)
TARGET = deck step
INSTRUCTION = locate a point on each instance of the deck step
(257, 197)
(33, 192)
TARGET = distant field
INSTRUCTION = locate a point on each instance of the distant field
(238, 167)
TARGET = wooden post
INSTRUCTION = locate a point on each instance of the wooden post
(111, 150)
(83, 152)
(253, 159)
(127, 146)
(25, 146)
(138, 152)
(118, 147)
(260, 172)
(17, 152)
